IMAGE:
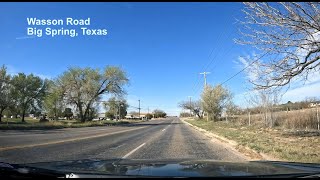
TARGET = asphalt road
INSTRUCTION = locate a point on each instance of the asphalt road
(157, 139)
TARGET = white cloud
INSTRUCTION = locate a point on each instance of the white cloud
(293, 94)
(14, 71)
(25, 37)
(300, 93)
(11, 70)
(251, 71)
(42, 76)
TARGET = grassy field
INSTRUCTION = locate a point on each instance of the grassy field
(295, 119)
(30, 124)
(287, 145)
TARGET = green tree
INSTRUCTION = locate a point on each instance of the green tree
(53, 102)
(113, 106)
(29, 92)
(149, 116)
(110, 115)
(6, 98)
(84, 86)
(93, 112)
(157, 113)
(214, 99)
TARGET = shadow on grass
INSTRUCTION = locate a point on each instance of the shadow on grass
(303, 133)
(17, 122)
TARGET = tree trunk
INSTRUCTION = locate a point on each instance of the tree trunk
(1, 111)
(55, 111)
(55, 114)
(82, 118)
(87, 111)
(23, 114)
(1, 114)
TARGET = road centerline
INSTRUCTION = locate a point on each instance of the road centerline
(134, 150)
(64, 141)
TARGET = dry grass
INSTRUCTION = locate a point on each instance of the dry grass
(288, 145)
(298, 119)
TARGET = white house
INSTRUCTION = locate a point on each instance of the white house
(136, 116)
(101, 116)
(314, 104)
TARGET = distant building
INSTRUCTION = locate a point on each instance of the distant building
(314, 104)
(101, 116)
(136, 116)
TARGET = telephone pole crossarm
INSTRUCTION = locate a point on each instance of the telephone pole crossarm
(205, 78)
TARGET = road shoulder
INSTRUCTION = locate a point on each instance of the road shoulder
(245, 152)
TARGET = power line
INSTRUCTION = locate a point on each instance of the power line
(197, 87)
(205, 67)
(244, 68)
(216, 64)
(216, 54)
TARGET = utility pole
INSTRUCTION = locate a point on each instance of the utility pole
(205, 85)
(190, 105)
(139, 108)
(318, 118)
(148, 110)
(249, 119)
(205, 78)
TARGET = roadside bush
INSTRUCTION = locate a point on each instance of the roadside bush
(149, 116)
(109, 115)
(43, 119)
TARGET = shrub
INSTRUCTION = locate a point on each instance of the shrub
(149, 116)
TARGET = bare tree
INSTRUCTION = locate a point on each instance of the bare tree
(232, 109)
(265, 100)
(288, 36)
(194, 106)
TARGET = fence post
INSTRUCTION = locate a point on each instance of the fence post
(318, 118)
(249, 118)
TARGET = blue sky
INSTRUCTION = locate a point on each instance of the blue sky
(162, 46)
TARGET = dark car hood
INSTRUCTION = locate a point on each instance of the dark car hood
(179, 168)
